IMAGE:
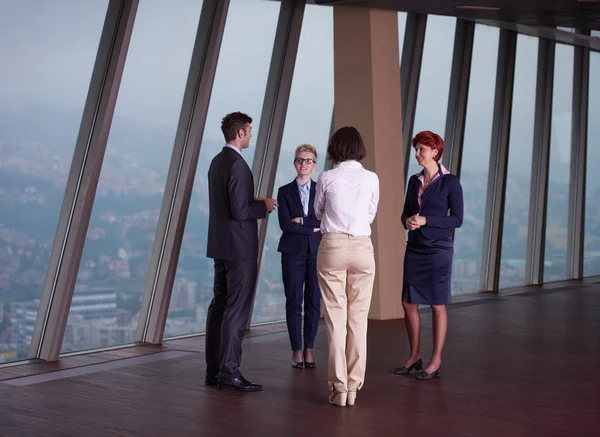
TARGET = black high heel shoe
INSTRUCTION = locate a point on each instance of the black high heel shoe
(309, 364)
(424, 375)
(297, 364)
(417, 365)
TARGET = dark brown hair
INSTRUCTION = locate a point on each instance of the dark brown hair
(346, 144)
(232, 123)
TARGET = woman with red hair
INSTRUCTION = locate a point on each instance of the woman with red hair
(432, 208)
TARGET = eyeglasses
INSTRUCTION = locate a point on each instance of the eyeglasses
(303, 160)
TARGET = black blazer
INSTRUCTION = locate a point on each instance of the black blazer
(232, 223)
(297, 238)
(441, 203)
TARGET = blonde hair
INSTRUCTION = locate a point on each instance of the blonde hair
(306, 148)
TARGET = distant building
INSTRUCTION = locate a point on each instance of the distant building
(82, 334)
(23, 316)
(94, 302)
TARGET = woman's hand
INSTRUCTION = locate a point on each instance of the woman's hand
(411, 224)
(415, 222)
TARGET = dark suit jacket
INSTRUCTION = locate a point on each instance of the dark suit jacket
(232, 224)
(297, 238)
(441, 203)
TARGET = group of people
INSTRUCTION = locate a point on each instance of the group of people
(326, 255)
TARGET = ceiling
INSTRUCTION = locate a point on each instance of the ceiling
(580, 14)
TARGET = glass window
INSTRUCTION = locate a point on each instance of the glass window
(468, 240)
(434, 84)
(596, 33)
(114, 266)
(48, 51)
(555, 257)
(240, 83)
(518, 177)
(591, 264)
(308, 120)
(401, 30)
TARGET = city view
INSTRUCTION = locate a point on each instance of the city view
(39, 122)
(113, 269)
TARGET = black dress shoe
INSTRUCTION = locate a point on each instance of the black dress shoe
(417, 365)
(424, 375)
(240, 384)
(212, 381)
(297, 365)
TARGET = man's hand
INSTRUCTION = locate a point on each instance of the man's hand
(271, 203)
(297, 220)
(317, 230)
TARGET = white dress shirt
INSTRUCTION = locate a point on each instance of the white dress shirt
(346, 199)
(233, 147)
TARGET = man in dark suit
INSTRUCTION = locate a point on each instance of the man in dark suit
(233, 244)
(299, 244)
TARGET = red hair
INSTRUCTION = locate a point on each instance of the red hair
(429, 139)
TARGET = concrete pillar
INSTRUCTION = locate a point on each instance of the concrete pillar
(367, 96)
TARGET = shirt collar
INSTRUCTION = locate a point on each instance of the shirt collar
(234, 148)
(348, 164)
(442, 171)
(307, 185)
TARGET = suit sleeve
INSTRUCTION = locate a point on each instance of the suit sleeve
(454, 219)
(406, 211)
(285, 218)
(310, 221)
(242, 205)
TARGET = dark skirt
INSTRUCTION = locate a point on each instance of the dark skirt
(427, 274)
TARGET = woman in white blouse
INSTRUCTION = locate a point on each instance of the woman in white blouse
(346, 203)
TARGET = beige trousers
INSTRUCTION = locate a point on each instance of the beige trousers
(346, 271)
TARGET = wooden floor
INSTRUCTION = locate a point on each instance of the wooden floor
(520, 365)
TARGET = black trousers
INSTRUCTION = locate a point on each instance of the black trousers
(228, 315)
(300, 283)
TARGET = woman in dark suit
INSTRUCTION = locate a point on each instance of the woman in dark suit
(298, 245)
(432, 208)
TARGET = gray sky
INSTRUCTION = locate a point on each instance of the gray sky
(49, 49)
